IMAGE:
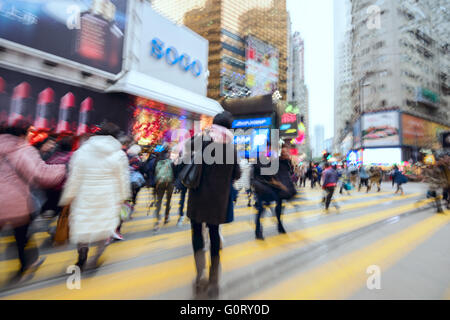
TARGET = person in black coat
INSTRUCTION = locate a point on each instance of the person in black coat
(271, 188)
(182, 189)
(285, 175)
(209, 202)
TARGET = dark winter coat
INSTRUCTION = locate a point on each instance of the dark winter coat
(209, 202)
(284, 175)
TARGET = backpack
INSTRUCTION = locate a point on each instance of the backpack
(164, 172)
(149, 170)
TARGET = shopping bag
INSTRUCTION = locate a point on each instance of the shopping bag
(125, 211)
(347, 186)
(62, 228)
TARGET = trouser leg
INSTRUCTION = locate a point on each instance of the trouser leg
(198, 242)
(260, 208)
(214, 239)
(169, 192)
(159, 198)
(330, 192)
(182, 199)
(20, 234)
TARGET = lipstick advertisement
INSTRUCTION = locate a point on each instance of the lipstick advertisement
(59, 108)
(4, 103)
(90, 32)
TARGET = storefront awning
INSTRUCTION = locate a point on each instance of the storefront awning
(144, 86)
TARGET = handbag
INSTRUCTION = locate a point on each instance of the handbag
(191, 174)
(62, 228)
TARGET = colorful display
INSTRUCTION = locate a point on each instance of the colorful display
(261, 67)
(58, 108)
(381, 129)
(422, 133)
(153, 126)
(90, 32)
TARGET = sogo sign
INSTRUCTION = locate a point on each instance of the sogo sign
(174, 58)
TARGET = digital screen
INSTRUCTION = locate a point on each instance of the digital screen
(68, 29)
(261, 67)
(387, 156)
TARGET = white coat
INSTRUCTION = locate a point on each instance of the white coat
(98, 184)
(244, 181)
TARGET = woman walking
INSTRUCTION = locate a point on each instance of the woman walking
(98, 184)
(399, 179)
(209, 202)
(21, 168)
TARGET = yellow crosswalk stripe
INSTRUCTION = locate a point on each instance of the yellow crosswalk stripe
(56, 262)
(132, 226)
(151, 280)
(339, 278)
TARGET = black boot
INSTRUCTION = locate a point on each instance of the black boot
(82, 257)
(259, 232)
(281, 228)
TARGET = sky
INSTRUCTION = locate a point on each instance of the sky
(315, 21)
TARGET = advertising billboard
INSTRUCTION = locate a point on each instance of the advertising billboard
(381, 129)
(90, 32)
(59, 108)
(261, 67)
(418, 132)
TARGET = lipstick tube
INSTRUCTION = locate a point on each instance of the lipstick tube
(66, 111)
(42, 120)
(3, 102)
(20, 104)
(85, 112)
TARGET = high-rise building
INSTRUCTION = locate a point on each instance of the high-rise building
(401, 63)
(227, 24)
(319, 141)
(299, 94)
(343, 107)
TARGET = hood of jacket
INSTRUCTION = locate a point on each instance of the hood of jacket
(220, 134)
(10, 143)
(103, 146)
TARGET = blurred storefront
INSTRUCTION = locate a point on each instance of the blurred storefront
(148, 75)
(168, 80)
(253, 120)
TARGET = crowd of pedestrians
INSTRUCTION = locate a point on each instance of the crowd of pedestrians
(97, 181)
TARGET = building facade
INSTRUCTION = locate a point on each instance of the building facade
(319, 141)
(227, 24)
(400, 64)
(343, 107)
(299, 94)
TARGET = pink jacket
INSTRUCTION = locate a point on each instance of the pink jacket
(21, 167)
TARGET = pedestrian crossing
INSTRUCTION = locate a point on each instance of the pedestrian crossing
(147, 265)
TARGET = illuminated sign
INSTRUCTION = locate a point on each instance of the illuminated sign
(252, 123)
(354, 158)
(173, 57)
(242, 139)
(289, 125)
(288, 118)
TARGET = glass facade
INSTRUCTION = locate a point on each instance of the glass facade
(226, 24)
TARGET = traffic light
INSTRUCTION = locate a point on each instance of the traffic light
(326, 156)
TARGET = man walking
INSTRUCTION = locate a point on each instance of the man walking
(330, 180)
